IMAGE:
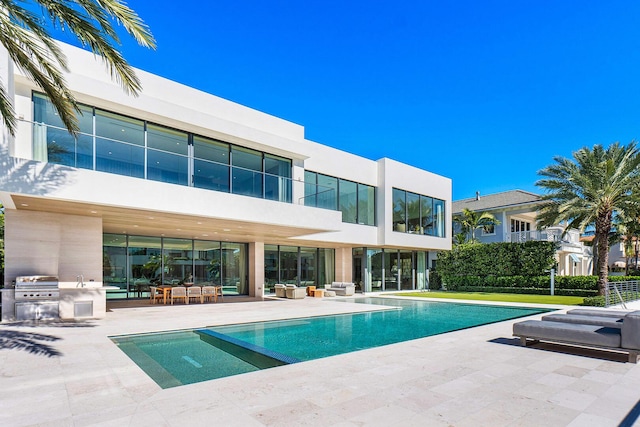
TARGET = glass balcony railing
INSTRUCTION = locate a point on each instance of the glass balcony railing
(55, 145)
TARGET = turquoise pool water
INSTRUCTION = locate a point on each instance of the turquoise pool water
(185, 357)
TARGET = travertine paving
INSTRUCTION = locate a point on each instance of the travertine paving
(67, 374)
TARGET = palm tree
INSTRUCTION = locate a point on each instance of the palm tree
(32, 49)
(588, 190)
(470, 221)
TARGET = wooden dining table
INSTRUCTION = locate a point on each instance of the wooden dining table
(166, 290)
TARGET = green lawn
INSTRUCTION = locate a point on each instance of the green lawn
(485, 296)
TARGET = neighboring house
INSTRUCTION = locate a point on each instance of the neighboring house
(178, 185)
(517, 211)
(618, 256)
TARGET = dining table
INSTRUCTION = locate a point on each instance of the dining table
(166, 290)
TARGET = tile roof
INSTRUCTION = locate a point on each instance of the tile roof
(497, 200)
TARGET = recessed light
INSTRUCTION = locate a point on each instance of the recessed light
(178, 229)
(204, 234)
(150, 217)
(135, 226)
(24, 204)
(199, 222)
(226, 229)
(93, 211)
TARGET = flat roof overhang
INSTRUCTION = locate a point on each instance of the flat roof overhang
(121, 220)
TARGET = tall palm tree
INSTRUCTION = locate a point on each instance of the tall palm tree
(470, 221)
(588, 190)
(31, 47)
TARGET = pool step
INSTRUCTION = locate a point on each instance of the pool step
(260, 357)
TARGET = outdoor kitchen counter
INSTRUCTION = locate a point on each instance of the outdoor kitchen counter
(88, 302)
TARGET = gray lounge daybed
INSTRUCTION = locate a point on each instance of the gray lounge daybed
(341, 288)
(604, 333)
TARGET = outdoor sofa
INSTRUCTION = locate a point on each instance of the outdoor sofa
(341, 288)
(294, 292)
(281, 290)
(599, 329)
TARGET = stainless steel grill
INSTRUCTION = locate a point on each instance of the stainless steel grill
(37, 297)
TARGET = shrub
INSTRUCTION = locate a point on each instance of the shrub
(597, 301)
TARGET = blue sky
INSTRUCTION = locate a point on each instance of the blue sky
(483, 92)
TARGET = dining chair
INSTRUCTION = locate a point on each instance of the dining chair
(195, 292)
(154, 294)
(208, 293)
(179, 292)
(218, 293)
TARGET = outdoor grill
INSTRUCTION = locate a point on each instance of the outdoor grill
(37, 297)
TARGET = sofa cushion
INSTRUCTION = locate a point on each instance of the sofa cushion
(631, 331)
(569, 332)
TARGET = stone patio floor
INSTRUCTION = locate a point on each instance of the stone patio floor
(71, 374)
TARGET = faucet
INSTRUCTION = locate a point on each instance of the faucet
(80, 279)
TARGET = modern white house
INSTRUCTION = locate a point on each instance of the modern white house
(177, 184)
(517, 212)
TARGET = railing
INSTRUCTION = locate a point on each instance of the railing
(619, 293)
(87, 151)
(549, 235)
(535, 235)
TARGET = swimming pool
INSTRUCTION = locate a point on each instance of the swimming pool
(184, 357)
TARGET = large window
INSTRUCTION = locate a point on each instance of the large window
(301, 266)
(418, 214)
(377, 270)
(133, 263)
(118, 144)
(356, 201)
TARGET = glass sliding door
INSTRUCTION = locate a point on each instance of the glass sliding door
(270, 268)
(114, 264)
(327, 191)
(277, 178)
(413, 213)
(374, 269)
(145, 264)
(399, 211)
(167, 152)
(246, 173)
(421, 271)
(326, 266)
(206, 263)
(390, 271)
(234, 269)
(348, 199)
(289, 265)
(366, 205)
(308, 266)
(120, 144)
(210, 164)
(406, 270)
(177, 255)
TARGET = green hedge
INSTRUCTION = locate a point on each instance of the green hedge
(563, 285)
(497, 259)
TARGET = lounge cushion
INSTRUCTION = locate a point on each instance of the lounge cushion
(609, 322)
(598, 312)
(631, 331)
(569, 333)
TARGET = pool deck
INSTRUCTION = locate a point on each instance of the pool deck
(71, 374)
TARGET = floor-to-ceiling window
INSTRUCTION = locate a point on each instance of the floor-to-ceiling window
(206, 263)
(418, 214)
(356, 201)
(118, 144)
(234, 269)
(144, 256)
(177, 255)
(133, 263)
(302, 266)
(167, 155)
(389, 269)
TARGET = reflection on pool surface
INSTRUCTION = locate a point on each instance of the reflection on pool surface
(185, 357)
